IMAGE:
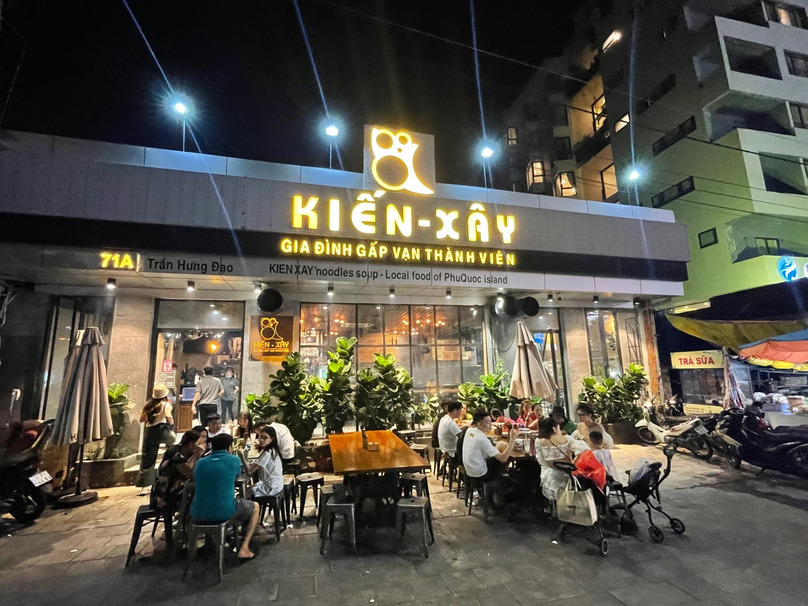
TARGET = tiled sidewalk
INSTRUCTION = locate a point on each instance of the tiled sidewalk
(745, 544)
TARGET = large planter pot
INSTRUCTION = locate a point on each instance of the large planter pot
(622, 432)
(105, 473)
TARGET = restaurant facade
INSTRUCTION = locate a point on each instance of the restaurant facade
(170, 253)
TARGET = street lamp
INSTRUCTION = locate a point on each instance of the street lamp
(181, 107)
(633, 175)
(332, 132)
(486, 152)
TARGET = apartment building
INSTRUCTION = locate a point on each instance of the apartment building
(714, 128)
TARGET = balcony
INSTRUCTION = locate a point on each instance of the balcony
(591, 145)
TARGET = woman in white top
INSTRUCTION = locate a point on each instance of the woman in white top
(268, 465)
(157, 415)
(554, 445)
(588, 424)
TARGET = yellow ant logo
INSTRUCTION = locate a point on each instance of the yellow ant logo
(402, 147)
(269, 329)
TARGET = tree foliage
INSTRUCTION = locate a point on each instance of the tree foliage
(383, 397)
(615, 400)
(335, 391)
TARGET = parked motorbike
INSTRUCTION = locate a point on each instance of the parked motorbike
(723, 444)
(21, 483)
(783, 449)
(690, 434)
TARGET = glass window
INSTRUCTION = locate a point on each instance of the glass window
(708, 238)
(618, 126)
(424, 368)
(447, 329)
(396, 325)
(423, 325)
(565, 184)
(768, 246)
(797, 64)
(800, 115)
(599, 112)
(535, 173)
(604, 343)
(341, 323)
(673, 192)
(786, 14)
(678, 133)
(512, 135)
(608, 182)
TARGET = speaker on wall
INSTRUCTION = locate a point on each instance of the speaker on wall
(529, 306)
(270, 300)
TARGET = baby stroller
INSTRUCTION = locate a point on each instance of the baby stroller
(581, 514)
(645, 489)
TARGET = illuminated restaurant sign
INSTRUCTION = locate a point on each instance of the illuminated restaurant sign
(711, 358)
(399, 160)
(117, 260)
(270, 337)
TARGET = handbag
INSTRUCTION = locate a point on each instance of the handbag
(575, 505)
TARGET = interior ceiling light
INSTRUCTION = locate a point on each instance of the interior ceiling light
(549, 297)
(258, 288)
(595, 299)
(448, 293)
(111, 284)
(637, 301)
(191, 286)
(392, 293)
(330, 291)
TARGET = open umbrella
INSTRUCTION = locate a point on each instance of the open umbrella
(83, 414)
(791, 347)
(530, 379)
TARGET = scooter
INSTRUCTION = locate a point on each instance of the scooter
(723, 444)
(690, 434)
(21, 483)
(783, 449)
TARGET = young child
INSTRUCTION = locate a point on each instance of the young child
(602, 454)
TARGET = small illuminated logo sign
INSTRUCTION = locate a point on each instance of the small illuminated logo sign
(270, 337)
(399, 160)
(787, 268)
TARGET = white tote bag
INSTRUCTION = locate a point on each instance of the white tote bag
(575, 505)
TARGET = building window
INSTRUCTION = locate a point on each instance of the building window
(786, 14)
(563, 148)
(599, 113)
(797, 64)
(559, 115)
(565, 184)
(535, 173)
(604, 343)
(613, 38)
(663, 88)
(708, 238)
(751, 58)
(678, 133)
(618, 126)
(768, 246)
(608, 182)
(673, 192)
(440, 345)
(512, 135)
(800, 115)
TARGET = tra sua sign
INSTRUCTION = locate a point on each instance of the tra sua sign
(270, 337)
(683, 360)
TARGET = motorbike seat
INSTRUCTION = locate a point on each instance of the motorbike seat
(781, 437)
(679, 429)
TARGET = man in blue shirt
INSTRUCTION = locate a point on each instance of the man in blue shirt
(215, 480)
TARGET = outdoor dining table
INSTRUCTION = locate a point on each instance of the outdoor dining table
(373, 473)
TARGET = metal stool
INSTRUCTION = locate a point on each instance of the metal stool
(303, 481)
(438, 461)
(218, 531)
(242, 482)
(334, 507)
(418, 481)
(291, 496)
(325, 492)
(448, 466)
(422, 450)
(483, 487)
(416, 506)
(461, 479)
(279, 510)
(145, 515)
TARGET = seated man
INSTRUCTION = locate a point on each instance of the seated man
(448, 429)
(215, 427)
(176, 468)
(214, 500)
(480, 457)
(286, 443)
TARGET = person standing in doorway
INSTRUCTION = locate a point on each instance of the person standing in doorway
(157, 415)
(208, 396)
(231, 395)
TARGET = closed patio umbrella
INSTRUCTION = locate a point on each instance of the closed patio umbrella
(83, 414)
(530, 378)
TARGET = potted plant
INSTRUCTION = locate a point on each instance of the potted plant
(335, 390)
(383, 396)
(299, 403)
(614, 402)
(106, 465)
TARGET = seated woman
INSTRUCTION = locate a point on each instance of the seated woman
(244, 426)
(554, 445)
(560, 417)
(268, 466)
(526, 416)
(538, 415)
(588, 425)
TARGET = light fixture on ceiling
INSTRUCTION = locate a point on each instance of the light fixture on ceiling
(549, 297)
(257, 288)
(448, 293)
(637, 302)
(595, 299)
(392, 293)
(111, 284)
(330, 291)
(191, 286)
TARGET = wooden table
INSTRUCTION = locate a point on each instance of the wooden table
(393, 455)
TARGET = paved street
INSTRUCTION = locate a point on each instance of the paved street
(745, 544)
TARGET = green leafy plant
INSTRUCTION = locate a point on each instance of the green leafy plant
(425, 411)
(469, 395)
(383, 396)
(614, 400)
(299, 400)
(261, 407)
(118, 405)
(335, 391)
(495, 387)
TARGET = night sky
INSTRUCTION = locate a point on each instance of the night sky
(85, 72)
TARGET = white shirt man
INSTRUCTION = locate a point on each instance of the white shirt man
(448, 429)
(286, 443)
(477, 448)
